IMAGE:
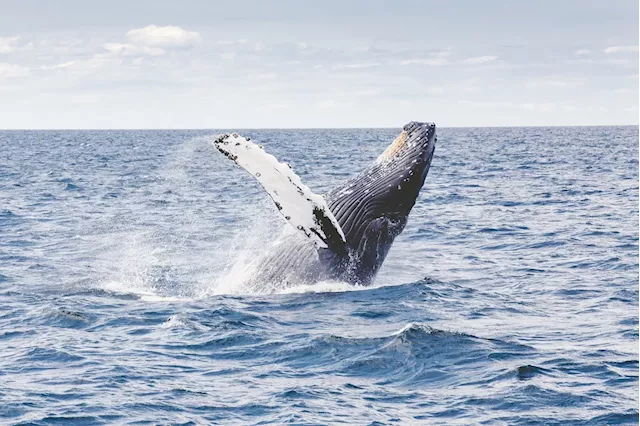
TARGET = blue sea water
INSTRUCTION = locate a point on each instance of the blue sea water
(510, 298)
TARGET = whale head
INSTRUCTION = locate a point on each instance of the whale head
(372, 208)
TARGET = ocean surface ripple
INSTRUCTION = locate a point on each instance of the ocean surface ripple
(510, 298)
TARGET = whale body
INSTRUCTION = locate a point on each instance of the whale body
(347, 233)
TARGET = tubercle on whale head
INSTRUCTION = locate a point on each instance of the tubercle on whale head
(400, 171)
(415, 139)
(398, 143)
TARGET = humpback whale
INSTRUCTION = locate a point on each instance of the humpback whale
(347, 233)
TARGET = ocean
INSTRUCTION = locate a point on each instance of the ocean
(511, 298)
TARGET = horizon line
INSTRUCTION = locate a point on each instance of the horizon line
(305, 128)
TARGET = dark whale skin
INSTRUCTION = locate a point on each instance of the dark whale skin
(372, 209)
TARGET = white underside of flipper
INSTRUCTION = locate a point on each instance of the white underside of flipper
(304, 210)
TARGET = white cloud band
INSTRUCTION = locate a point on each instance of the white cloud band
(167, 37)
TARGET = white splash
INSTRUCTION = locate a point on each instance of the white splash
(180, 263)
(322, 287)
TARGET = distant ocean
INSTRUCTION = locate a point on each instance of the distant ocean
(511, 297)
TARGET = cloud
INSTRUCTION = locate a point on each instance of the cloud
(113, 55)
(230, 42)
(11, 70)
(540, 107)
(421, 61)
(558, 83)
(486, 104)
(265, 76)
(125, 49)
(479, 60)
(434, 91)
(605, 61)
(442, 53)
(582, 52)
(58, 66)
(361, 65)
(334, 104)
(529, 106)
(366, 92)
(9, 44)
(621, 49)
(274, 106)
(167, 37)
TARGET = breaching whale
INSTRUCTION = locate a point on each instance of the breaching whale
(346, 233)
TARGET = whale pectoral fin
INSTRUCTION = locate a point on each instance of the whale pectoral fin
(304, 210)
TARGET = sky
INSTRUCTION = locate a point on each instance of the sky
(293, 64)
